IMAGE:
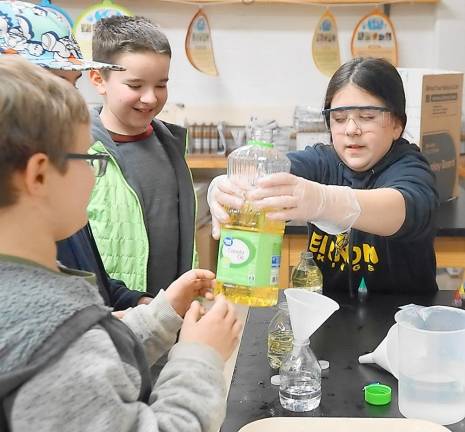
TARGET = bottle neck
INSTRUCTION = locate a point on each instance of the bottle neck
(261, 137)
(260, 143)
(300, 342)
(307, 257)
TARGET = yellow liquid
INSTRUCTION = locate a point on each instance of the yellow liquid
(248, 219)
(279, 344)
(310, 280)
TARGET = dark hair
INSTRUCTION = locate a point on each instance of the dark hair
(374, 75)
(125, 34)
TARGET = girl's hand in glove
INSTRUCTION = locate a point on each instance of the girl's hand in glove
(287, 197)
(222, 193)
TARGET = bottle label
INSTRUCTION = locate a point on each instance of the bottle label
(249, 258)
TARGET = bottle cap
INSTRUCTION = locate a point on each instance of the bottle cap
(275, 380)
(377, 394)
(260, 143)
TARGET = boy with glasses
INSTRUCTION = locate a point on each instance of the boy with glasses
(34, 26)
(97, 162)
(66, 364)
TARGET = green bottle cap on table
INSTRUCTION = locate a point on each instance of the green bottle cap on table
(377, 394)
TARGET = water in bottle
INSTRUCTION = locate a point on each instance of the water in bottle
(300, 379)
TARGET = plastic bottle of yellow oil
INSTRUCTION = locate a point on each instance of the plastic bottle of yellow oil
(307, 275)
(249, 254)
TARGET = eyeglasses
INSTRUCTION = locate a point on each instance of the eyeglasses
(98, 162)
(366, 118)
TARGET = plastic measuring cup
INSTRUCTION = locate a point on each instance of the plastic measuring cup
(432, 363)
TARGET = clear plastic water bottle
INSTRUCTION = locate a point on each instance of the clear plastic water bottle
(279, 336)
(249, 254)
(307, 275)
(300, 379)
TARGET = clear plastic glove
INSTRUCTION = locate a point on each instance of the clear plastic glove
(224, 192)
(334, 209)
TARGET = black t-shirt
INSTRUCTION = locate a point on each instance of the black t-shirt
(402, 263)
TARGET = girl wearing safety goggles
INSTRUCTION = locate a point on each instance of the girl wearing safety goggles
(369, 197)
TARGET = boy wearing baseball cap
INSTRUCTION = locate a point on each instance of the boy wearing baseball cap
(42, 37)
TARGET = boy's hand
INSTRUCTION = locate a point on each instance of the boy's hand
(144, 300)
(186, 288)
(120, 314)
(219, 328)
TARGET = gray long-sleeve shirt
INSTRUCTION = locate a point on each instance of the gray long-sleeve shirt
(89, 388)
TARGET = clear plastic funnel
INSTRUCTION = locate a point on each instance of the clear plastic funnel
(385, 354)
(308, 311)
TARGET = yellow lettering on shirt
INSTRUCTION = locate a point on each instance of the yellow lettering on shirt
(334, 252)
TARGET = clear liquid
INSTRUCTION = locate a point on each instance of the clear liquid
(248, 219)
(310, 279)
(435, 397)
(279, 344)
(300, 395)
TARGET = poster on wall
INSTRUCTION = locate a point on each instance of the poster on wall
(84, 25)
(199, 48)
(374, 36)
(62, 14)
(325, 45)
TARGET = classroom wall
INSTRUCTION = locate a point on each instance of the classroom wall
(263, 52)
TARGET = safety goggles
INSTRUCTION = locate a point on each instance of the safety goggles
(367, 118)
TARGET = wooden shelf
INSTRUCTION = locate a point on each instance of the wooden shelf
(207, 162)
(346, 2)
(310, 2)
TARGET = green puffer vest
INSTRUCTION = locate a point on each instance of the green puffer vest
(117, 221)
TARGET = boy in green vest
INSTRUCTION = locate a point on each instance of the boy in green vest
(142, 212)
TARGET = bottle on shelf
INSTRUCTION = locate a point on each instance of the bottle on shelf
(249, 252)
(279, 336)
(213, 147)
(204, 136)
(195, 138)
(307, 275)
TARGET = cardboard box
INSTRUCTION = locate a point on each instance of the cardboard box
(434, 108)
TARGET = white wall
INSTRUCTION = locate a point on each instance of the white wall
(263, 52)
